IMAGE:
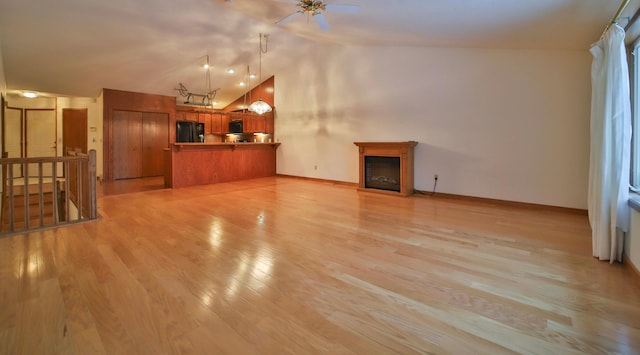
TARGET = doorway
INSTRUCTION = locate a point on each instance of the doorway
(12, 129)
(29, 133)
(74, 129)
(40, 133)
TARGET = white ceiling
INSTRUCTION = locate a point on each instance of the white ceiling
(78, 47)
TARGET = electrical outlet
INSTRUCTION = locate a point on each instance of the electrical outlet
(315, 167)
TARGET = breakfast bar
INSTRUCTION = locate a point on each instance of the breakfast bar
(191, 164)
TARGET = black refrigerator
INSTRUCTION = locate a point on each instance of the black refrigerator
(189, 132)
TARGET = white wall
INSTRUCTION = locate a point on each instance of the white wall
(3, 93)
(3, 81)
(502, 124)
(17, 101)
(94, 118)
(94, 124)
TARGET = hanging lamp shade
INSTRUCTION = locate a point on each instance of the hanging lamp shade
(259, 107)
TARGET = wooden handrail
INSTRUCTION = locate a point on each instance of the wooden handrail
(33, 160)
(25, 205)
(3, 200)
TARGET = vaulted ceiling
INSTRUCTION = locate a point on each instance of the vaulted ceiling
(78, 47)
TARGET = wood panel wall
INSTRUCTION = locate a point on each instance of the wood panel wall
(264, 91)
(155, 133)
(131, 101)
(126, 142)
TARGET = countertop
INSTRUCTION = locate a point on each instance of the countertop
(232, 145)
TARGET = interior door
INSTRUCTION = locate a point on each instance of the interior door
(41, 138)
(12, 131)
(74, 129)
(127, 144)
(155, 138)
(13, 137)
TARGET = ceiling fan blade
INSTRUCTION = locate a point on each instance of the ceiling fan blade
(350, 9)
(322, 22)
(288, 18)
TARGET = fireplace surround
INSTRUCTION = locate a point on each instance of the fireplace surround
(386, 167)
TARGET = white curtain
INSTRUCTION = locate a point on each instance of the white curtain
(610, 144)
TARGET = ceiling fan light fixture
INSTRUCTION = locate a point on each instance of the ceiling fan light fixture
(315, 9)
(312, 7)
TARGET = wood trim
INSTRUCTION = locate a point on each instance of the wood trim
(422, 194)
(333, 182)
(168, 168)
(627, 264)
(527, 205)
(233, 146)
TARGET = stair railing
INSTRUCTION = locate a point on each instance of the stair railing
(24, 206)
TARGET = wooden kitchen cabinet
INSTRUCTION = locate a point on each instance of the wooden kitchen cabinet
(253, 123)
(206, 119)
(224, 122)
(247, 123)
(181, 115)
(269, 124)
(216, 123)
(259, 124)
(191, 116)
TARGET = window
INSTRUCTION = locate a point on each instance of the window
(635, 117)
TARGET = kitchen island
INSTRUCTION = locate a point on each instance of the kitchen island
(191, 164)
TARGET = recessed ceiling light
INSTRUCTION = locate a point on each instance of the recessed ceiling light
(206, 66)
(29, 94)
(242, 83)
(252, 76)
(231, 71)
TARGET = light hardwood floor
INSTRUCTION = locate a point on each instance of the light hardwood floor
(281, 265)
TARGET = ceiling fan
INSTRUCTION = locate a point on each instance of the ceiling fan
(316, 8)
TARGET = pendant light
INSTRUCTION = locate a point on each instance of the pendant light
(260, 106)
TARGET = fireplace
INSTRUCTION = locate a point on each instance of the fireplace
(382, 173)
(386, 167)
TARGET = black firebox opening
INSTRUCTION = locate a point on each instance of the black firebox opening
(382, 173)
